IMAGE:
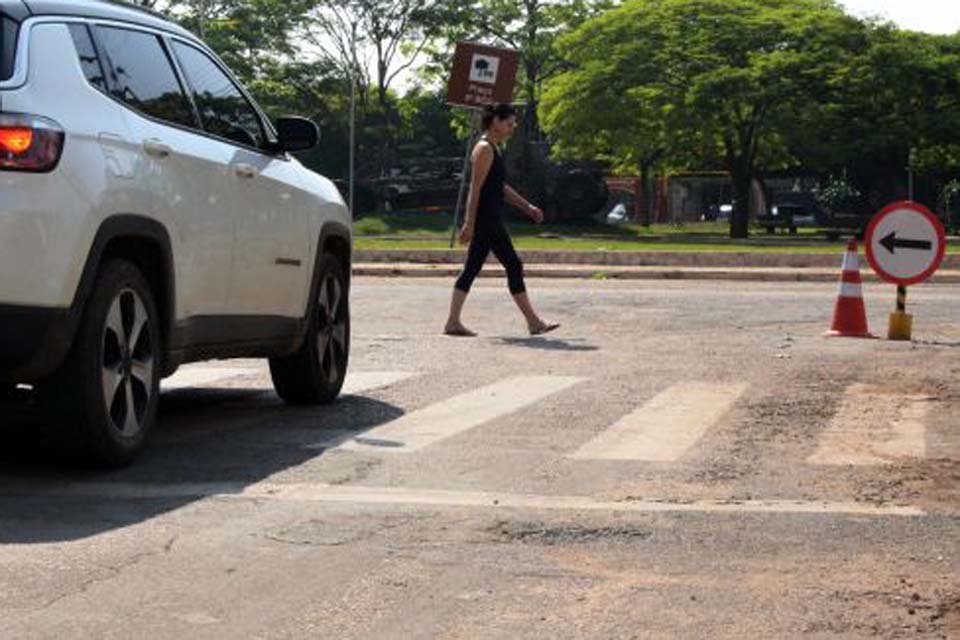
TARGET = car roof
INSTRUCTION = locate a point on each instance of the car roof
(106, 10)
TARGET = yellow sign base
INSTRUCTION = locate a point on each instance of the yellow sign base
(901, 326)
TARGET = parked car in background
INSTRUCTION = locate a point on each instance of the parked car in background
(788, 216)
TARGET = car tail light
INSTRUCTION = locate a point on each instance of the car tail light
(29, 143)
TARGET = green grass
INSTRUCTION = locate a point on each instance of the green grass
(431, 230)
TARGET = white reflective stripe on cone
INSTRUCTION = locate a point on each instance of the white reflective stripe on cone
(850, 290)
(851, 262)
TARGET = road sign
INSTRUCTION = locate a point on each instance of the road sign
(905, 243)
(482, 75)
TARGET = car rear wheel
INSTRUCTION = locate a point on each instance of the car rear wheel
(315, 373)
(107, 390)
(7, 392)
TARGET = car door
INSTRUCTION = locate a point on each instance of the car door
(185, 172)
(272, 246)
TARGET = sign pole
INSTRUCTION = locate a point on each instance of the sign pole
(463, 183)
(901, 322)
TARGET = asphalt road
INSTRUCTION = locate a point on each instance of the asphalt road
(686, 459)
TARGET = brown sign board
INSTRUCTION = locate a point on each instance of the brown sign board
(482, 75)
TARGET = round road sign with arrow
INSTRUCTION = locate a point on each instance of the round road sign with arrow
(905, 243)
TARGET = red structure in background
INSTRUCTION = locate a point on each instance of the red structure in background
(658, 199)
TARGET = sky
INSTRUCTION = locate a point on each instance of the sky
(932, 16)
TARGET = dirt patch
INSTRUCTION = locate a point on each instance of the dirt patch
(904, 611)
(929, 484)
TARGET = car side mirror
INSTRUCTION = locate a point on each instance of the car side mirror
(296, 134)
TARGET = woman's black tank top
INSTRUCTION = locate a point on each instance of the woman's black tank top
(490, 206)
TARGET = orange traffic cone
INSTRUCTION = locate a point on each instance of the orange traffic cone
(850, 314)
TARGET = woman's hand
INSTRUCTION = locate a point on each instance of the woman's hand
(535, 213)
(466, 233)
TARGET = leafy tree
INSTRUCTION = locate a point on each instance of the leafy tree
(392, 32)
(712, 78)
(426, 126)
(894, 105)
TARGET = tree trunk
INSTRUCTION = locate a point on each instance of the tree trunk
(740, 165)
(740, 218)
(643, 205)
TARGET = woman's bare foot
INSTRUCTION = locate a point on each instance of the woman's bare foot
(542, 327)
(458, 330)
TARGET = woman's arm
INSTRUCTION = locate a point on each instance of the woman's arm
(522, 203)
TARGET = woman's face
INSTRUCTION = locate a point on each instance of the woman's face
(504, 128)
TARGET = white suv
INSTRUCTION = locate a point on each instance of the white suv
(150, 215)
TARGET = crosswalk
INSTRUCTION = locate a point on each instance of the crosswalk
(874, 428)
(871, 426)
(665, 428)
(448, 418)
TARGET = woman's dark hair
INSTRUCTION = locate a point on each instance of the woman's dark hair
(499, 111)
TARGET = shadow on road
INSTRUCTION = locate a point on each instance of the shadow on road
(229, 438)
(548, 344)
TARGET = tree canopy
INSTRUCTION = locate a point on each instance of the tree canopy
(685, 81)
(643, 86)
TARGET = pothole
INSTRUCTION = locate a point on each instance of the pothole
(549, 535)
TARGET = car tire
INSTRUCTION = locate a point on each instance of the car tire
(8, 393)
(108, 388)
(315, 373)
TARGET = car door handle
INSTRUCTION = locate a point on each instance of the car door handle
(157, 148)
(245, 170)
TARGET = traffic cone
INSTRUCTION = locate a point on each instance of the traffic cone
(850, 314)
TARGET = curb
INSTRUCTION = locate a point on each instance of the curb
(751, 274)
(597, 259)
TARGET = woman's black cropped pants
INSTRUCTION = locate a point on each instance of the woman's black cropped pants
(487, 237)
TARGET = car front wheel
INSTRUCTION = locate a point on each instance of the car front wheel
(314, 374)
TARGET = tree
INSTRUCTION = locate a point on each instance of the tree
(719, 76)
(393, 32)
(895, 105)
(388, 35)
(609, 107)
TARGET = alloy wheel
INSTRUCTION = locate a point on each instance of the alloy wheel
(331, 329)
(128, 358)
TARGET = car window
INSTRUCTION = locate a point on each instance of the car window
(89, 60)
(224, 111)
(8, 45)
(140, 74)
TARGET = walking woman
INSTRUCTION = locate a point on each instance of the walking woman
(483, 227)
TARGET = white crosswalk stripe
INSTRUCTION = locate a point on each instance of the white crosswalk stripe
(665, 428)
(199, 376)
(363, 381)
(874, 428)
(456, 415)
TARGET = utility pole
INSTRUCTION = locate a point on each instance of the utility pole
(353, 109)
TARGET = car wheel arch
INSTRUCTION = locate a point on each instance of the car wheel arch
(334, 239)
(146, 243)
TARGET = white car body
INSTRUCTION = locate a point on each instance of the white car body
(240, 228)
